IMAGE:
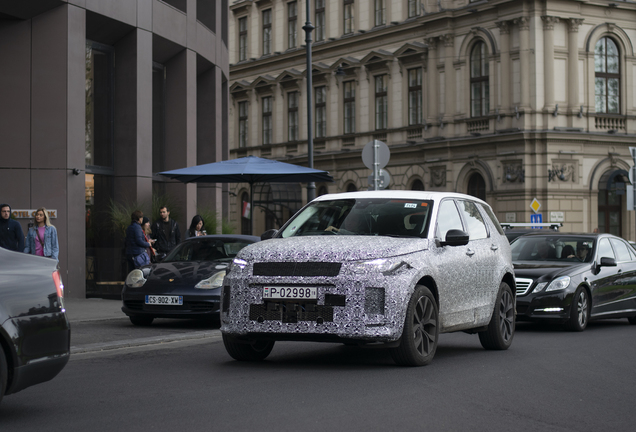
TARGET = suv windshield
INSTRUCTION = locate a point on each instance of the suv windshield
(362, 216)
(552, 248)
(206, 250)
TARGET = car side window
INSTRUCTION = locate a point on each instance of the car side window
(604, 249)
(476, 226)
(493, 218)
(447, 218)
(621, 250)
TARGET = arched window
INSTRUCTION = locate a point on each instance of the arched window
(477, 186)
(351, 187)
(245, 213)
(417, 185)
(479, 88)
(607, 76)
(322, 190)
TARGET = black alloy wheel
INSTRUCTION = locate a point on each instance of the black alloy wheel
(141, 320)
(421, 330)
(4, 373)
(256, 350)
(579, 311)
(501, 329)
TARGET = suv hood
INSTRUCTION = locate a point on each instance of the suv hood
(331, 248)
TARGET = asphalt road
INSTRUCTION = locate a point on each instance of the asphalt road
(549, 380)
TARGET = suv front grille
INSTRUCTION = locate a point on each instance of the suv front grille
(523, 285)
(296, 269)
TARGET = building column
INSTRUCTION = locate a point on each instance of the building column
(432, 76)
(449, 77)
(524, 60)
(573, 64)
(506, 88)
(181, 129)
(548, 61)
(133, 119)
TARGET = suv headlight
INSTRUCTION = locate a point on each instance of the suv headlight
(135, 279)
(214, 281)
(559, 283)
(237, 264)
(381, 265)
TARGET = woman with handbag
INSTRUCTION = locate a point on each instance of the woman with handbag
(136, 243)
(42, 238)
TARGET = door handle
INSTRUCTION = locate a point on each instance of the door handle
(494, 247)
(470, 252)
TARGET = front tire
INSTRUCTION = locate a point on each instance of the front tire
(579, 311)
(141, 320)
(632, 320)
(247, 351)
(501, 329)
(421, 330)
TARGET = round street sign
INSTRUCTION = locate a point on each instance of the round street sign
(384, 154)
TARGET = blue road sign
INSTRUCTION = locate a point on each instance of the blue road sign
(536, 218)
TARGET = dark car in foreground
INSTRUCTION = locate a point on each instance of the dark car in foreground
(186, 284)
(391, 269)
(574, 278)
(35, 335)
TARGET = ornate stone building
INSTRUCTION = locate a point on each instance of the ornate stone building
(505, 100)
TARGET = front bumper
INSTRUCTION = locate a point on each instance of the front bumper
(194, 306)
(366, 308)
(545, 306)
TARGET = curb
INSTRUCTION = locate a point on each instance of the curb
(155, 340)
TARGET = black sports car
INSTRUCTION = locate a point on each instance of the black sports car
(572, 278)
(186, 284)
(35, 336)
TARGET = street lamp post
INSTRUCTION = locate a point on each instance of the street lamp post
(311, 186)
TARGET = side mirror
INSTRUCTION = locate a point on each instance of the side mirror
(607, 262)
(455, 237)
(269, 234)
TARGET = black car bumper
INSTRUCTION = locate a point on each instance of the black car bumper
(43, 348)
(544, 306)
(192, 307)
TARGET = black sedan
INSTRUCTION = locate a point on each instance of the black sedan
(186, 284)
(573, 278)
(35, 336)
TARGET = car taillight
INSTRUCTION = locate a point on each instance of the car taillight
(59, 287)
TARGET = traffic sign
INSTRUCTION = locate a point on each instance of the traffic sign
(371, 149)
(535, 205)
(536, 218)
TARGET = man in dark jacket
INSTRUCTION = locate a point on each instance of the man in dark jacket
(11, 235)
(136, 243)
(166, 233)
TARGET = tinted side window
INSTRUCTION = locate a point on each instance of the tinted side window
(621, 250)
(493, 218)
(476, 226)
(447, 218)
(605, 250)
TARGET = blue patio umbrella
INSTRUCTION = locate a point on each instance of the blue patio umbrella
(250, 169)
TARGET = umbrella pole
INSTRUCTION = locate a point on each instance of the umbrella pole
(251, 208)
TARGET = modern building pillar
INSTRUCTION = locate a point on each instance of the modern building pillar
(133, 119)
(181, 124)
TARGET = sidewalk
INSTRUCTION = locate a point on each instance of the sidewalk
(92, 309)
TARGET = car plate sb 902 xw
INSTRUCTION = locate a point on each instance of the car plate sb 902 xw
(290, 293)
(164, 300)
